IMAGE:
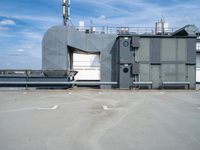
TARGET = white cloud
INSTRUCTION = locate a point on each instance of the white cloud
(143, 13)
(38, 18)
(102, 17)
(7, 22)
(28, 47)
(20, 50)
(32, 36)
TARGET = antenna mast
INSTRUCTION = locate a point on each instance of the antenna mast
(66, 11)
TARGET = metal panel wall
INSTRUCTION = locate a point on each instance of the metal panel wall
(135, 69)
(168, 72)
(155, 50)
(155, 76)
(144, 73)
(124, 77)
(181, 49)
(55, 50)
(170, 52)
(191, 74)
(191, 51)
(168, 49)
(144, 49)
(106, 71)
(135, 42)
(181, 73)
(57, 40)
(125, 50)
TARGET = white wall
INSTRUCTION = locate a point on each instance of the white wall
(198, 46)
(198, 75)
(198, 68)
(87, 65)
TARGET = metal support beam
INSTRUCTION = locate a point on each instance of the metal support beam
(55, 83)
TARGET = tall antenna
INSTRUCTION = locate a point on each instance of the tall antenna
(66, 11)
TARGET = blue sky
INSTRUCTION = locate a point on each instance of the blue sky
(23, 22)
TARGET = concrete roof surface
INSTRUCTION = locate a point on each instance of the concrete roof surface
(84, 119)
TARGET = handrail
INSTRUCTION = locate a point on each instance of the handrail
(25, 78)
(120, 29)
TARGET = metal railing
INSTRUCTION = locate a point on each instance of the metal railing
(41, 73)
(121, 30)
(37, 78)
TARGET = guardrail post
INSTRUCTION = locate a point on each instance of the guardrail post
(26, 80)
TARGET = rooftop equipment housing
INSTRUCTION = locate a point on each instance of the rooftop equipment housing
(162, 27)
(131, 60)
(127, 58)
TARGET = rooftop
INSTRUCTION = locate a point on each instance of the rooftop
(84, 119)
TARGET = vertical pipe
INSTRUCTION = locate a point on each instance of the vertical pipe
(68, 9)
(64, 12)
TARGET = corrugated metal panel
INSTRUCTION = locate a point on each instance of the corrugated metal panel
(181, 72)
(168, 49)
(191, 75)
(144, 50)
(135, 69)
(155, 50)
(191, 51)
(54, 49)
(155, 76)
(144, 73)
(181, 50)
(135, 42)
(168, 72)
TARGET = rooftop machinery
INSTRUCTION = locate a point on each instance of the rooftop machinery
(157, 59)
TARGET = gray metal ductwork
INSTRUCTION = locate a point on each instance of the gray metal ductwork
(58, 39)
(128, 59)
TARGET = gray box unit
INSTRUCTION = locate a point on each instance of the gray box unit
(135, 42)
(135, 69)
(125, 76)
(125, 50)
